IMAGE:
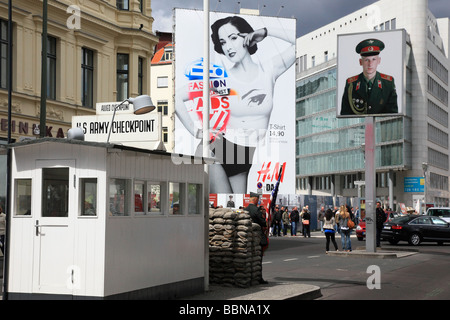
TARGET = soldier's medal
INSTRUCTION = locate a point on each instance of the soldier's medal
(356, 109)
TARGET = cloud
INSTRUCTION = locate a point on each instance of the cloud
(310, 14)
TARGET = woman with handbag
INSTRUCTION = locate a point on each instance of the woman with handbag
(344, 217)
(306, 219)
(328, 228)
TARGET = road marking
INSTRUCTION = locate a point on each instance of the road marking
(313, 257)
(293, 259)
(267, 262)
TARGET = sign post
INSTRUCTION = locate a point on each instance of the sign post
(370, 185)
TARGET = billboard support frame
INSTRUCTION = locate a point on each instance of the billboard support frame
(370, 192)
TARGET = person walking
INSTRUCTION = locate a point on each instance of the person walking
(380, 218)
(306, 219)
(329, 230)
(344, 216)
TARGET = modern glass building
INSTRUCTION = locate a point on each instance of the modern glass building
(412, 151)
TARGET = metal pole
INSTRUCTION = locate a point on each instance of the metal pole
(112, 120)
(370, 185)
(7, 237)
(42, 124)
(206, 103)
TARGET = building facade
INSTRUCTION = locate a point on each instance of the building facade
(97, 51)
(412, 151)
(162, 86)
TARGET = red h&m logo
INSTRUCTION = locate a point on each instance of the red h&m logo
(269, 174)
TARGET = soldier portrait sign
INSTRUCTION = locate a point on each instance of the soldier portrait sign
(371, 72)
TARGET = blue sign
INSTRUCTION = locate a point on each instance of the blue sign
(414, 184)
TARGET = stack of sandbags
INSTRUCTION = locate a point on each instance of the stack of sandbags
(234, 250)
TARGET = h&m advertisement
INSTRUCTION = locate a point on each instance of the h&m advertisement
(252, 98)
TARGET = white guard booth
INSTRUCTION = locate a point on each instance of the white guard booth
(102, 221)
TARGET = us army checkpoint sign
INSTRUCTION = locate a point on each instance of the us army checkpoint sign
(140, 131)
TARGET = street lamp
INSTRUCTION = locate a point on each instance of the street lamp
(142, 104)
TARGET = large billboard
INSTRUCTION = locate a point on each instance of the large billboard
(252, 105)
(371, 74)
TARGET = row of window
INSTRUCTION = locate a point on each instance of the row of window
(437, 90)
(145, 198)
(154, 198)
(437, 136)
(320, 82)
(346, 182)
(349, 160)
(438, 159)
(437, 68)
(438, 182)
(386, 131)
(437, 113)
(87, 70)
(125, 5)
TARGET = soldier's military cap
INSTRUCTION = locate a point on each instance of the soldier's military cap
(369, 47)
(254, 195)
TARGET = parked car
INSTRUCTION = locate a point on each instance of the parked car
(443, 213)
(416, 229)
(361, 227)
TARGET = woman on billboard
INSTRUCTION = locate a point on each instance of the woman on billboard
(245, 98)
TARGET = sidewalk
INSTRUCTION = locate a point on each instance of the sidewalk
(270, 291)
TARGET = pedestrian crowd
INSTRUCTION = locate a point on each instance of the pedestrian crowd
(342, 220)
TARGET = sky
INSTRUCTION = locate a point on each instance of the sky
(310, 14)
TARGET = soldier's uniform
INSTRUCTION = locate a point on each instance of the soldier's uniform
(375, 97)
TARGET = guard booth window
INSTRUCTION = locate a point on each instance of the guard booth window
(22, 203)
(55, 192)
(88, 196)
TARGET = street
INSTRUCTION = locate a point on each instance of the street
(421, 276)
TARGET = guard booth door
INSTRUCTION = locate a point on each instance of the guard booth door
(55, 206)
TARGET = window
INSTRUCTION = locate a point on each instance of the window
(3, 54)
(154, 197)
(55, 192)
(140, 75)
(123, 4)
(22, 203)
(88, 196)
(87, 74)
(163, 107)
(141, 5)
(147, 197)
(119, 197)
(165, 134)
(194, 198)
(438, 222)
(163, 82)
(51, 67)
(168, 54)
(421, 220)
(176, 198)
(139, 194)
(122, 76)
